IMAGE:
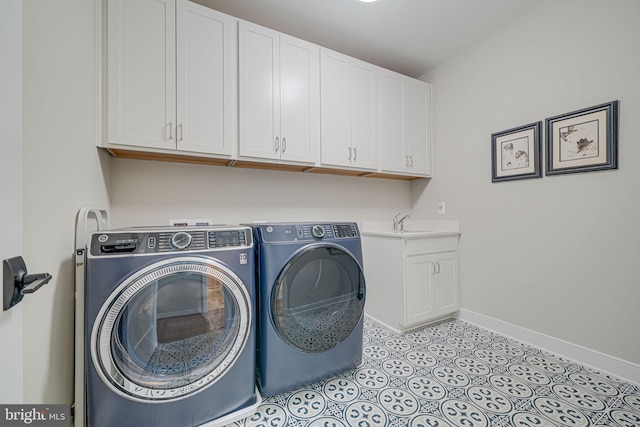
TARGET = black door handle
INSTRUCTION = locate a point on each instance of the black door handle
(16, 282)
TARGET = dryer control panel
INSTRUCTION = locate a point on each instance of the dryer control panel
(302, 232)
(154, 241)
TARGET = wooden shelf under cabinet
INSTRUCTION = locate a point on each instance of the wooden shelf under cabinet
(214, 161)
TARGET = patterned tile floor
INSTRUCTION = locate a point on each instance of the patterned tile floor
(455, 374)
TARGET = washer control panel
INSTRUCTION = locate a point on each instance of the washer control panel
(318, 231)
(181, 240)
(154, 241)
(307, 231)
(345, 230)
(225, 238)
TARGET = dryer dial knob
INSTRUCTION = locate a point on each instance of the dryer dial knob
(181, 240)
(317, 231)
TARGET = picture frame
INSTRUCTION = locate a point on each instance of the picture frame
(517, 153)
(583, 141)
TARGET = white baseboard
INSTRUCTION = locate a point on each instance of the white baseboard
(622, 369)
(412, 327)
(386, 325)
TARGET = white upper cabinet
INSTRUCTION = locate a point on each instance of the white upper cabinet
(348, 99)
(141, 73)
(279, 96)
(390, 122)
(207, 80)
(185, 79)
(171, 76)
(404, 118)
(417, 125)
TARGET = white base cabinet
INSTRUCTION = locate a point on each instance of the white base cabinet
(410, 281)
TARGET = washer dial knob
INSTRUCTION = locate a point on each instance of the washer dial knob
(317, 231)
(181, 240)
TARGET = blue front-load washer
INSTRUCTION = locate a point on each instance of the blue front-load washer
(311, 302)
(169, 335)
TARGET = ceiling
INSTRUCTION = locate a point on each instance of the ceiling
(407, 36)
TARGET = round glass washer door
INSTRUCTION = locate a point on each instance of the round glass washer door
(171, 330)
(318, 298)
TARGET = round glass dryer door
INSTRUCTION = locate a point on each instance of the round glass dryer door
(318, 298)
(172, 329)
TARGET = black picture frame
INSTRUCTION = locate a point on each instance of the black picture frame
(517, 153)
(583, 141)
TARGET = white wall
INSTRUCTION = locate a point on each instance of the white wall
(62, 172)
(152, 193)
(556, 255)
(11, 321)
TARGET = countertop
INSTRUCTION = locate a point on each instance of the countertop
(413, 229)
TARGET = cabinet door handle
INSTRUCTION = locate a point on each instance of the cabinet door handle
(355, 154)
(276, 144)
(180, 131)
(411, 165)
(284, 145)
(169, 127)
(349, 153)
(406, 161)
(438, 265)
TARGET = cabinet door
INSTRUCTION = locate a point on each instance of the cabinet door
(259, 87)
(349, 111)
(390, 122)
(299, 100)
(206, 82)
(335, 104)
(417, 113)
(419, 298)
(445, 283)
(364, 115)
(141, 73)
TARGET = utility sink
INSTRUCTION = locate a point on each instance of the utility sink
(412, 228)
(416, 227)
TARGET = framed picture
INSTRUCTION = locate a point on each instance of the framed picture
(517, 153)
(583, 141)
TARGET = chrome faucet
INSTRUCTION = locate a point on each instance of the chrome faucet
(399, 223)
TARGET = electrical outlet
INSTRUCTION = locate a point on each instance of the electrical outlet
(440, 206)
(190, 222)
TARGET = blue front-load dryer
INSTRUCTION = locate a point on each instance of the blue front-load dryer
(170, 330)
(311, 302)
